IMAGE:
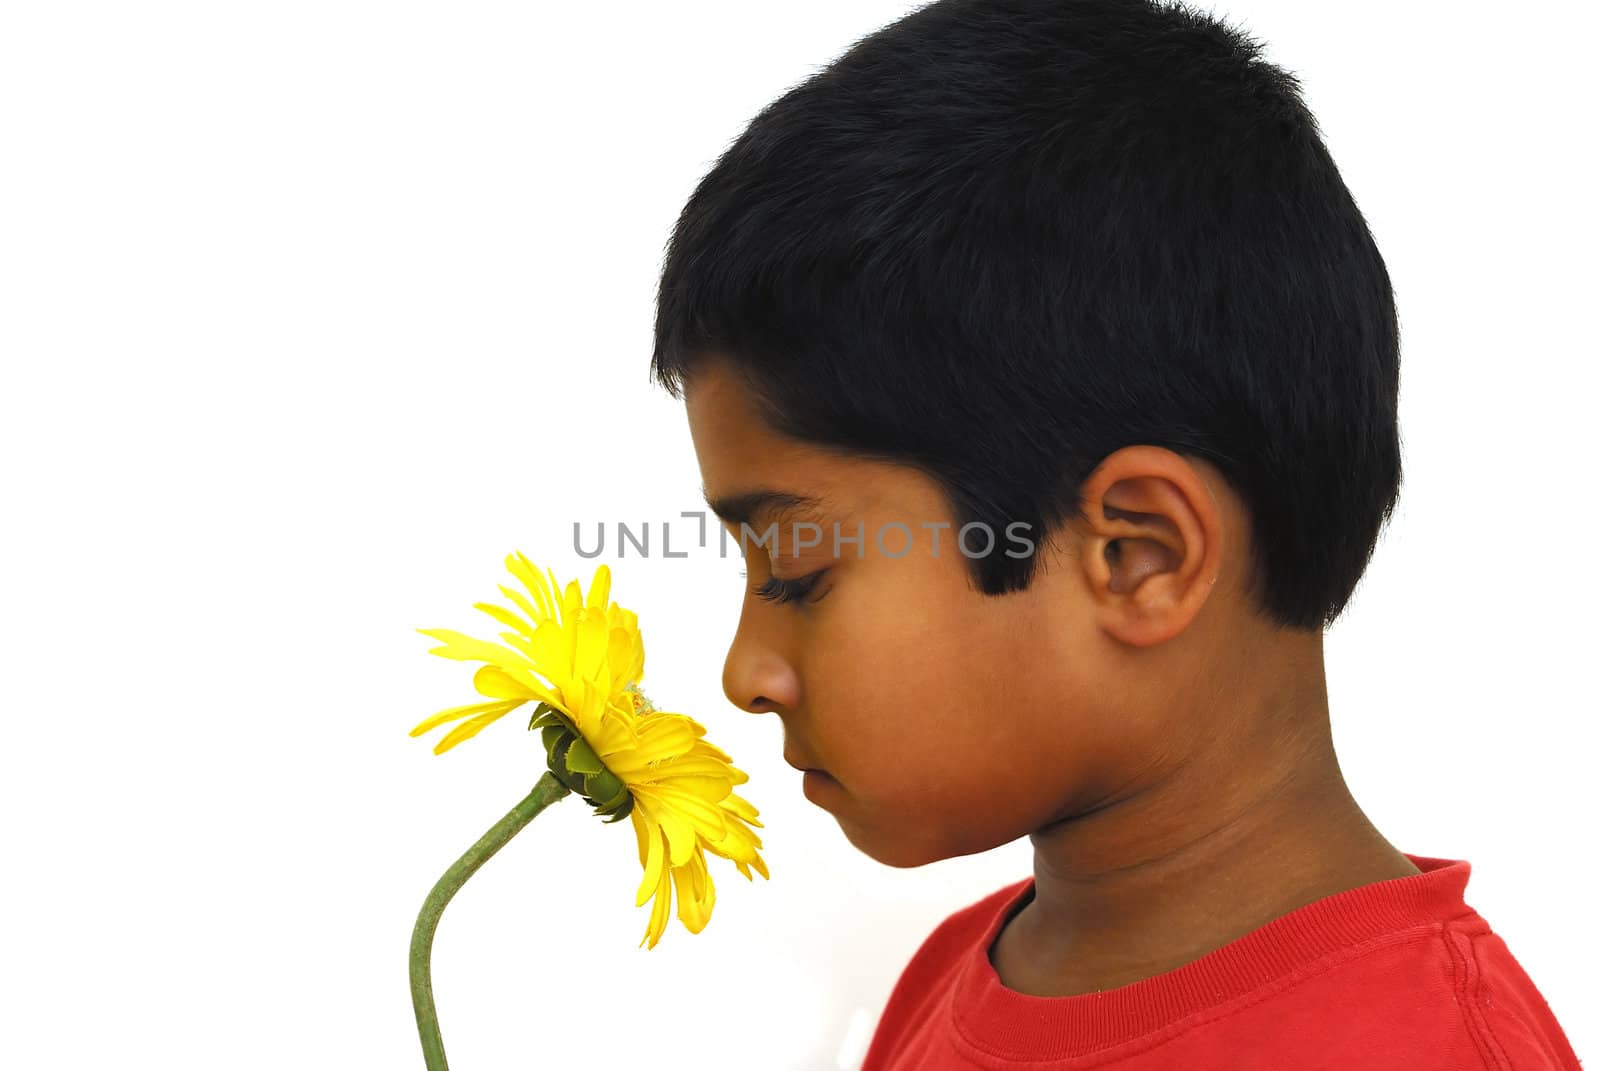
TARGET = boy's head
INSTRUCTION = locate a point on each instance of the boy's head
(1079, 281)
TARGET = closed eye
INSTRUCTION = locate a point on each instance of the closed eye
(780, 590)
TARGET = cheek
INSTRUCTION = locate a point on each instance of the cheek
(972, 714)
(896, 671)
(936, 707)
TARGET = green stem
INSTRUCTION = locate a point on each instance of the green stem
(547, 791)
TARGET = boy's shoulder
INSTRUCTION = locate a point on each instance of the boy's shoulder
(1399, 970)
(1507, 1014)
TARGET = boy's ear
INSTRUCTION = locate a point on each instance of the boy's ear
(1152, 543)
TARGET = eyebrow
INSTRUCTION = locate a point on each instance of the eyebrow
(746, 507)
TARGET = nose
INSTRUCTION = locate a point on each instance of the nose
(756, 677)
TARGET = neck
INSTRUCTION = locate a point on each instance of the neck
(1249, 827)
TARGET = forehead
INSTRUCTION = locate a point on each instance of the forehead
(731, 440)
(739, 454)
(723, 416)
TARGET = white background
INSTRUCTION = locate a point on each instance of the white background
(312, 312)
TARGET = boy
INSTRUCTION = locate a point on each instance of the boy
(1045, 355)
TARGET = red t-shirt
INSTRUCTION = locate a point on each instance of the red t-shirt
(1395, 974)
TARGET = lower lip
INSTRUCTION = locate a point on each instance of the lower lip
(817, 783)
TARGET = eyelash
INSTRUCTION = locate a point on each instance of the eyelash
(778, 590)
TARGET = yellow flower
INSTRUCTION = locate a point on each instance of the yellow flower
(581, 659)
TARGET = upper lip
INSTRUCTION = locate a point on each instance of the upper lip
(799, 765)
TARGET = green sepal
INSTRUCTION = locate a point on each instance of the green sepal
(574, 763)
(582, 759)
(545, 714)
(559, 767)
(605, 785)
(618, 807)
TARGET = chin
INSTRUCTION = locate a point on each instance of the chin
(902, 855)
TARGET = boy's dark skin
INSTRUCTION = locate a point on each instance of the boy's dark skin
(1165, 747)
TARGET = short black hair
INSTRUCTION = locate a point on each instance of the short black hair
(999, 240)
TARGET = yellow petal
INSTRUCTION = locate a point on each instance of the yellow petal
(505, 617)
(613, 740)
(637, 761)
(524, 646)
(467, 730)
(496, 683)
(652, 856)
(600, 587)
(663, 736)
(552, 649)
(705, 747)
(707, 818)
(679, 830)
(626, 654)
(696, 893)
(641, 832)
(461, 712)
(660, 912)
(740, 844)
(755, 861)
(466, 649)
(559, 611)
(571, 602)
(710, 789)
(524, 571)
(593, 641)
(741, 807)
(531, 611)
